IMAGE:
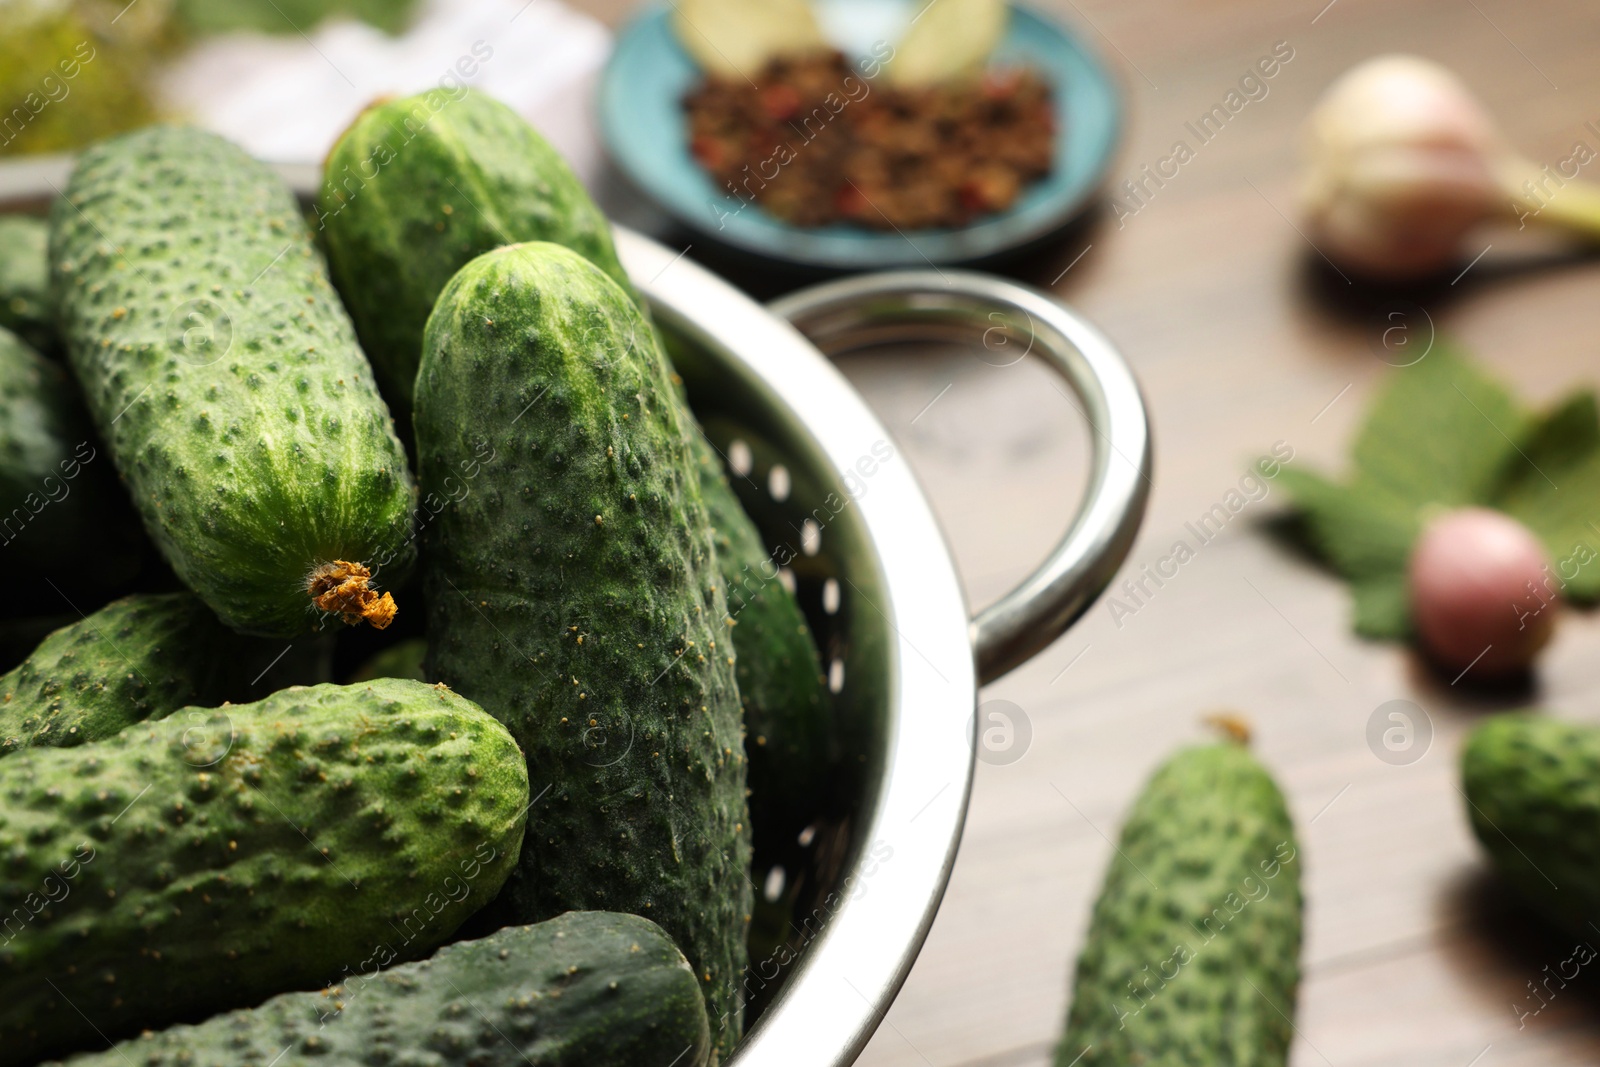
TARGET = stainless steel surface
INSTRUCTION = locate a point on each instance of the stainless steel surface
(1013, 321)
(766, 381)
(907, 658)
(853, 533)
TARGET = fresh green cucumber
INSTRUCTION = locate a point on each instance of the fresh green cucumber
(25, 280)
(222, 855)
(142, 657)
(418, 187)
(573, 593)
(1532, 786)
(64, 520)
(587, 989)
(1193, 951)
(227, 383)
(787, 732)
(398, 661)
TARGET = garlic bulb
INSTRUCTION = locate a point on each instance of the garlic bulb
(1403, 162)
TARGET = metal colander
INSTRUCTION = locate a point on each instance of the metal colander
(841, 509)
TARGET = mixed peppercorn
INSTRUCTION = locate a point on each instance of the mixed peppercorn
(814, 142)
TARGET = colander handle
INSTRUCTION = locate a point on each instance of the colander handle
(900, 306)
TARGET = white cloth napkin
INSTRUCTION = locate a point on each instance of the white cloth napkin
(286, 99)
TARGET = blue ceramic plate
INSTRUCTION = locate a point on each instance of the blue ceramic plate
(642, 122)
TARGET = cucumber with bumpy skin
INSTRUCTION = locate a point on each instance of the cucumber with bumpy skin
(142, 657)
(588, 989)
(1193, 950)
(418, 187)
(25, 281)
(222, 855)
(1532, 786)
(574, 594)
(787, 730)
(227, 382)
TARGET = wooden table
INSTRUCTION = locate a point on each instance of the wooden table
(1243, 338)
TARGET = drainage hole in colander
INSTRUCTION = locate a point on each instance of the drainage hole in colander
(778, 482)
(830, 596)
(772, 888)
(740, 459)
(836, 675)
(810, 537)
(786, 576)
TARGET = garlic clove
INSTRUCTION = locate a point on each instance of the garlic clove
(1402, 163)
(1402, 214)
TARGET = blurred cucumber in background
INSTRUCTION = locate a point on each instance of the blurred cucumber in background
(75, 71)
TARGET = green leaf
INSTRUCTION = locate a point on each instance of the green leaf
(1382, 608)
(1440, 433)
(288, 16)
(1553, 487)
(1365, 533)
(1367, 536)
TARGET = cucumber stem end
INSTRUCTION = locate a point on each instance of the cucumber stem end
(343, 588)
